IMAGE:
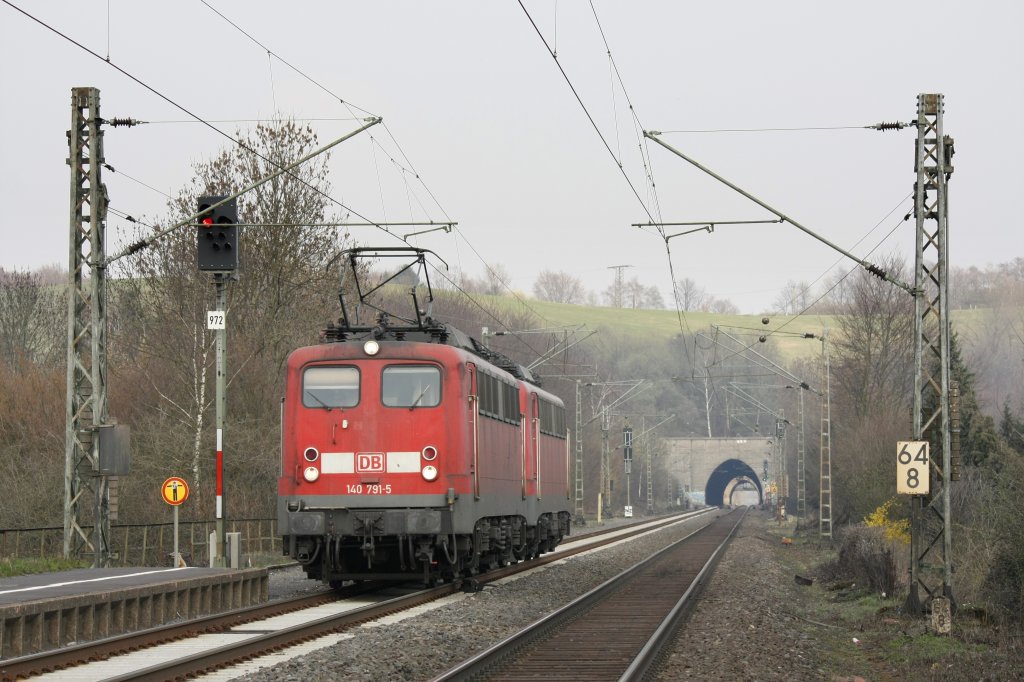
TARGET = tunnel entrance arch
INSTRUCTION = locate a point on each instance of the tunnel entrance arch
(710, 469)
(726, 477)
(740, 490)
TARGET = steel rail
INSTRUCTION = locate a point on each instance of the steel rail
(488, 662)
(262, 644)
(646, 660)
(25, 666)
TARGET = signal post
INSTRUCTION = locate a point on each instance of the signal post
(217, 252)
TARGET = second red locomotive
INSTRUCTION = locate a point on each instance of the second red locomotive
(410, 450)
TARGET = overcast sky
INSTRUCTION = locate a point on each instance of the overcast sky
(483, 114)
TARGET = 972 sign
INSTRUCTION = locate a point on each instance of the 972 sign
(912, 475)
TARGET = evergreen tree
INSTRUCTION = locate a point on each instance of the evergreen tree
(1011, 428)
(978, 437)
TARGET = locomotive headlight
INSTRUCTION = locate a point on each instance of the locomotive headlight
(430, 472)
(371, 347)
(312, 473)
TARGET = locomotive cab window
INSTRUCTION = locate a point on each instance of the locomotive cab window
(411, 386)
(328, 387)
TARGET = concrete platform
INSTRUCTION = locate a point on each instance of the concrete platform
(50, 610)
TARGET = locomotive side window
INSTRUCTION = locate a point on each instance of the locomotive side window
(552, 419)
(510, 402)
(485, 385)
(411, 386)
(498, 399)
(327, 387)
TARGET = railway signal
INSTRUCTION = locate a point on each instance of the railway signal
(217, 252)
(217, 234)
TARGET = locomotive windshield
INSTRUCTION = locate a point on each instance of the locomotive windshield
(411, 386)
(329, 387)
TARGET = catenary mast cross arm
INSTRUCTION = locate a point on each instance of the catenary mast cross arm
(778, 369)
(152, 239)
(705, 225)
(743, 395)
(870, 267)
(633, 385)
(639, 436)
(559, 348)
(772, 367)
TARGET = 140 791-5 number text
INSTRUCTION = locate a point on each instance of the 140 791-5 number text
(368, 488)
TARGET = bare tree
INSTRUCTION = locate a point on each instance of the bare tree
(32, 314)
(874, 348)
(692, 297)
(19, 295)
(559, 287)
(284, 286)
(496, 280)
(653, 298)
(637, 295)
(794, 298)
(723, 306)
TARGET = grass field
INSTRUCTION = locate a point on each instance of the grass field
(662, 324)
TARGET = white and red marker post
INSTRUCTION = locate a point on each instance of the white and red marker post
(216, 320)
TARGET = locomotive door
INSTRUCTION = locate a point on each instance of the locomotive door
(535, 440)
(474, 424)
(529, 443)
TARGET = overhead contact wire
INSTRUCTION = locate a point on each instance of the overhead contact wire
(348, 105)
(683, 322)
(187, 111)
(285, 61)
(838, 282)
(585, 110)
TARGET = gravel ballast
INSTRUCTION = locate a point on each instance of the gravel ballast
(426, 645)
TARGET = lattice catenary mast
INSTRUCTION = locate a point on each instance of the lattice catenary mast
(87, 323)
(931, 541)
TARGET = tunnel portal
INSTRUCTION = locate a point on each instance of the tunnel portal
(725, 477)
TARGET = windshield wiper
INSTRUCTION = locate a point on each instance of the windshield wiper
(419, 397)
(313, 396)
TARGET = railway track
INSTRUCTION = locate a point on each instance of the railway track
(251, 632)
(615, 631)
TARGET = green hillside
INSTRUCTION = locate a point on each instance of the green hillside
(666, 323)
(663, 324)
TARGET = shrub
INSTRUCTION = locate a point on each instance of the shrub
(895, 530)
(867, 557)
(1005, 585)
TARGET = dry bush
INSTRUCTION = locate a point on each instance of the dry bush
(32, 444)
(867, 558)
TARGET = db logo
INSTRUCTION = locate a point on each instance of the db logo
(370, 463)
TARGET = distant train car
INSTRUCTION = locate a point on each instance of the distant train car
(415, 452)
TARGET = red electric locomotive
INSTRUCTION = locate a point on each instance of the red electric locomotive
(411, 450)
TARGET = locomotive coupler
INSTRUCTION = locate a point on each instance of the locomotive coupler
(369, 549)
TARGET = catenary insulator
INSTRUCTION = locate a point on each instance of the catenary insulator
(123, 122)
(895, 125)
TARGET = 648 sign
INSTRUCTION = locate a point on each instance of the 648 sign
(912, 475)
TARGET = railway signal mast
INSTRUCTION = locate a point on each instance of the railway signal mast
(217, 252)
